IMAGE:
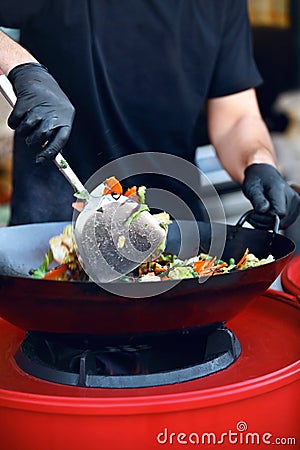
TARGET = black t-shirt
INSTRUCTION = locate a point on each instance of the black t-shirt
(138, 73)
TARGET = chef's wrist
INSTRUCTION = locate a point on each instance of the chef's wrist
(17, 61)
(24, 66)
(261, 156)
(12, 54)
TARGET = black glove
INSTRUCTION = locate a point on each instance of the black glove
(269, 193)
(42, 112)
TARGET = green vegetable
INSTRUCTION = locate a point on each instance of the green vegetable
(180, 273)
(135, 215)
(63, 164)
(166, 257)
(253, 261)
(83, 195)
(42, 270)
(142, 194)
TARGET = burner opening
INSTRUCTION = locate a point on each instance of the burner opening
(130, 361)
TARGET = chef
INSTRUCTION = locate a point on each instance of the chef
(139, 74)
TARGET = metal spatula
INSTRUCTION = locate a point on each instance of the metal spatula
(113, 235)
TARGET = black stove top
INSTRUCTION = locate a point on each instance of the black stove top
(128, 361)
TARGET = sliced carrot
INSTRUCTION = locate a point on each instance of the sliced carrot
(132, 193)
(56, 273)
(220, 266)
(159, 269)
(204, 266)
(243, 259)
(112, 186)
(199, 265)
(212, 261)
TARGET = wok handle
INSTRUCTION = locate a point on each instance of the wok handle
(245, 216)
(8, 93)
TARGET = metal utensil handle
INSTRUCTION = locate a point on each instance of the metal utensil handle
(245, 216)
(7, 91)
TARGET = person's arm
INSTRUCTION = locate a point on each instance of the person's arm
(12, 54)
(238, 133)
(43, 115)
(245, 149)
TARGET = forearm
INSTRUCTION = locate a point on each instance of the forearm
(12, 54)
(246, 142)
(239, 134)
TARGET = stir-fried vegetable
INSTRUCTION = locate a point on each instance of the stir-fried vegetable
(170, 267)
(62, 247)
(112, 186)
(62, 251)
(167, 266)
(58, 273)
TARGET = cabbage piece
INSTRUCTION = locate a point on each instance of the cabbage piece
(181, 273)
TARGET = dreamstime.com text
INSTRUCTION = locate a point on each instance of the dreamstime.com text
(239, 436)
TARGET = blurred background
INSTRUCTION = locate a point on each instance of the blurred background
(276, 40)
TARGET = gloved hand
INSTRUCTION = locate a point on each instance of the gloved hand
(42, 112)
(269, 193)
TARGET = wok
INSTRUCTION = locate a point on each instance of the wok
(84, 307)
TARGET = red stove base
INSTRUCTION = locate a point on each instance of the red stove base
(252, 403)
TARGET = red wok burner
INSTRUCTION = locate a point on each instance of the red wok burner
(254, 401)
